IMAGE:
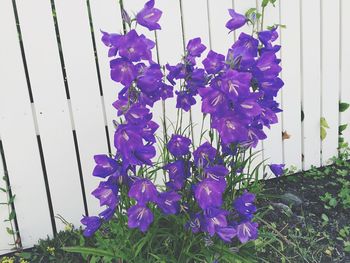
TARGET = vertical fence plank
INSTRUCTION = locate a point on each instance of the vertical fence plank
(171, 49)
(221, 39)
(133, 7)
(83, 84)
(19, 137)
(51, 109)
(242, 6)
(196, 24)
(273, 144)
(330, 76)
(106, 16)
(291, 75)
(6, 239)
(345, 65)
(311, 85)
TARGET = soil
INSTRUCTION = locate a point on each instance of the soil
(310, 225)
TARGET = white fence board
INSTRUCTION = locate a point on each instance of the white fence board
(273, 144)
(330, 75)
(220, 38)
(133, 7)
(242, 6)
(51, 109)
(311, 85)
(345, 64)
(106, 16)
(291, 75)
(77, 48)
(171, 49)
(6, 240)
(193, 28)
(19, 137)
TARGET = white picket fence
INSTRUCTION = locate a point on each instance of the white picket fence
(55, 104)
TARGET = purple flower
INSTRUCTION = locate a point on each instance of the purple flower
(195, 47)
(270, 87)
(214, 218)
(123, 71)
(254, 135)
(277, 169)
(195, 223)
(143, 191)
(267, 66)
(204, 154)
(168, 202)
(248, 107)
(246, 231)
(245, 48)
(177, 169)
(178, 172)
(208, 193)
(147, 131)
(107, 193)
(166, 91)
(128, 141)
(108, 213)
(216, 172)
(230, 129)
(175, 72)
(149, 16)
(105, 166)
(111, 41)
(92, 224)
(138, 114)
(179, 145)
(132, 46)
(267, 37)
(236, 84)
(214, 62)
(184, 100)
(150, 80)
(226, 233)
(236, 21)
(213, 100)
(139, 216)
(244, 205)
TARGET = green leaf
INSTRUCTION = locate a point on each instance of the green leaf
(10, 231)
(25, 255)
(12, 199)
(343, 106)
(342, 128)
(325, 218)
(89, 251)
(324, 123)
(265, 3)
(3, 190)
(333, 202)
(12, 215)
(323, 133)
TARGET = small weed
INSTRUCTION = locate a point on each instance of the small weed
(329, 200)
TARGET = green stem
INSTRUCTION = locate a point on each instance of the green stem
(191, 128)
(202, 127)
(9, 209)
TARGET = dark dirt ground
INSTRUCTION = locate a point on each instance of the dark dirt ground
(313, 228)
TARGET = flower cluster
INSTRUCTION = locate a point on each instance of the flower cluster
(238, 92)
